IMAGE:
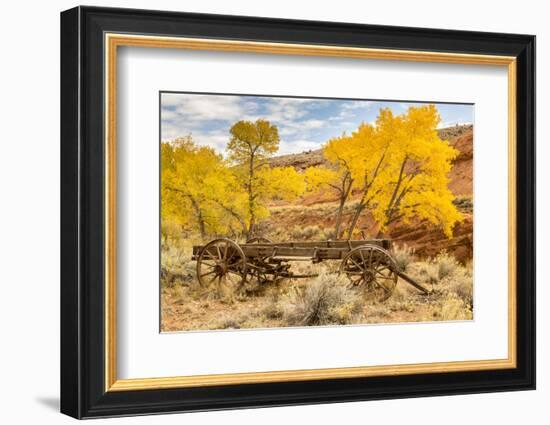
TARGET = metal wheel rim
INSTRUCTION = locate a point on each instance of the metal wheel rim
(221, 262)
(371, 268)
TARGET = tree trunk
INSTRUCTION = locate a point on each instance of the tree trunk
(344, 194)
(397, 187)
(363, 203)
(202, 226)
(200, 218)
(339, 217)
(358, 210)
(251, 212)
(244, 229)
(198, 211)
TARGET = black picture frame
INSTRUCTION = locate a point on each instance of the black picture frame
(83, 392)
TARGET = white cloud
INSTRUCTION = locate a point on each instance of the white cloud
(215, 139)
(352, 109)
(280, 109)
(208, 118)
(170, 131)
(309, 124)
(203, 107)
(357, 104)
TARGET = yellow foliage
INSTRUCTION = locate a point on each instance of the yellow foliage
(252, 141)
(250, 146)
(317, 177)
(400, 166)
(197, 187)
(204, 192)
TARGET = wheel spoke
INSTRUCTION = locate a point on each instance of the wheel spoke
(224, 263)
(376, 262)
(385, 277)
(231, 256)
(369, 267)
(382, 268)
(365, 265)
(385, 272)
(357, 277)
(383, 287)
(370, 257)
(357, 264)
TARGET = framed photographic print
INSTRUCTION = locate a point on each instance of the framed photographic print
(261, 212)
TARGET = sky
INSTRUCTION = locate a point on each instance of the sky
(303, 123)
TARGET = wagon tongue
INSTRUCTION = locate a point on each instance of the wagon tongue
(300, 276)
(412, 282)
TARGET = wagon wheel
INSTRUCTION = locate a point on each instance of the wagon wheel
(258, 273)
(258, 239)
(221, 262)
(259, 276)
(371, 268)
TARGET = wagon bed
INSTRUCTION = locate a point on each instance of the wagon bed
(367, 263)
(294, 251)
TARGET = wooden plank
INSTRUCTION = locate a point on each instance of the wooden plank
(326, 244)
(385, 243)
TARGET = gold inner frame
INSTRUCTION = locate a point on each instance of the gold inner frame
(113, 41)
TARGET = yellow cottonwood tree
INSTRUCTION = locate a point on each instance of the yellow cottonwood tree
(198, 188)
(416, 181)
(211, 195)
(399, 167)
(250, 146)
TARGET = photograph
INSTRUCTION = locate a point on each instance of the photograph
(290, 212)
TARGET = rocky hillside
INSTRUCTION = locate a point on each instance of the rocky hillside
(318, 211)
(300, 161)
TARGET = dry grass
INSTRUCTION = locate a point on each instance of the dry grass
(446, 265)
(451, 307)
(300, 233)
(176, 267)
(403, 256)
(321, 300)
(325, 301)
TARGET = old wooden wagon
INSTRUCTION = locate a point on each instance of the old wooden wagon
(368, 264)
